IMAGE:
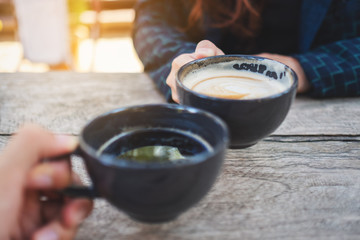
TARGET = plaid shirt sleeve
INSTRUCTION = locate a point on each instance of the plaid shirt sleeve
(332, 64)
(333, 69)
(157, 41)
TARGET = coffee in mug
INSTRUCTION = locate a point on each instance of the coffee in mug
(154, 145)
(231, 84)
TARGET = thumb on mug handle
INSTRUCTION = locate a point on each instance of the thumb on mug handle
(74, 191)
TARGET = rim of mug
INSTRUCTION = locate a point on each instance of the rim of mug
(232, 57)
(108, 160)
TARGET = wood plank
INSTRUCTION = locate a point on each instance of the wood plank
(338, 116)
(273, 190)
(64, 101)
(269, 191)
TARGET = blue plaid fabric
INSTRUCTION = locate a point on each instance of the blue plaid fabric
(329, 44)
(331, 60)
(157, 39)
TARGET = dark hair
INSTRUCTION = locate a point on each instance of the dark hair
(242, 17)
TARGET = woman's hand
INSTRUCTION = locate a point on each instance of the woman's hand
(203, 49)
(30, 206)
(206, 48)
(303, 83)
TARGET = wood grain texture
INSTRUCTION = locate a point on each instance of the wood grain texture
(339, 116)
(302, 182)
(64, 101)
(269, 191)
(273, 190)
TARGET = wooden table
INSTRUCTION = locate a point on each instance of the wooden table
(302, 182)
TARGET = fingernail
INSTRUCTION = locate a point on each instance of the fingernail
(69, 141)
(47, 234)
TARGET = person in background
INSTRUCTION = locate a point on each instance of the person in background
(319, 39)
(30, 206)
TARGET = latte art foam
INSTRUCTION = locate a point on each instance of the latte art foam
(231, 86)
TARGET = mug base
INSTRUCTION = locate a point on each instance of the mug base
(152, 219)
(240, 146)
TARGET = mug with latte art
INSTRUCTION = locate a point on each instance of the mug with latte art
(251, 94)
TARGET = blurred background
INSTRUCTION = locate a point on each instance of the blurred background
(75, 35)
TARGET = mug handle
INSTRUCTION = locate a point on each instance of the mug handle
(74, 191)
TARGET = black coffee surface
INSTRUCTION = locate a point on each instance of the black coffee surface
(154, 145)
(153, 154)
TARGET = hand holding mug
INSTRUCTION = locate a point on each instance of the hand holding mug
(206, 48)
(149, 189)
(303, 83)
(203, 49)
(31, 206)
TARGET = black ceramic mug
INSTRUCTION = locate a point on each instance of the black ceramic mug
(250, 117)
(152, 191)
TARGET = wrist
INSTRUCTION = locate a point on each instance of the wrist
(303, 83)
